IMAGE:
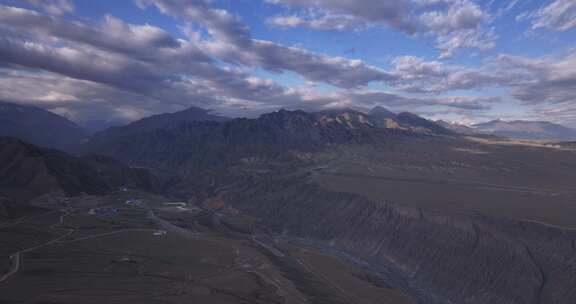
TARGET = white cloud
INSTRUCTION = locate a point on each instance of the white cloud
(532, 81)
(326, 22)
(414, 74)
(548, 80)
(232, 42)
(559, 15)
(395, 14)
(452, 24)
(54, 7)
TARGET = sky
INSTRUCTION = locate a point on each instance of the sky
(114, 61)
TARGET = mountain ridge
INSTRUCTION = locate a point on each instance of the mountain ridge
(39, 127)
(28, 171)
(276, 134)
(159, 121)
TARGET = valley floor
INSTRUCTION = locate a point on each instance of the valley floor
(511, 180)
(176, 255)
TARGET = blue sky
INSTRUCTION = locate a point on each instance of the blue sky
(461, 60)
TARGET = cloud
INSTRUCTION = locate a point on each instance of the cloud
(122, 71)
(449, 43)
(141, 66)
(366, 98)
(338, 71)
(76, 99)
(453, 24)
(532, 81)
(458, 16)
(232, 42)
(468, 102)
(559, 15)
(326, 22)
(54, 7)
(545, 83)
(415, 75)
(544, 80)
(395, 14)
(220, 24)
(559, 113)
(112, 34)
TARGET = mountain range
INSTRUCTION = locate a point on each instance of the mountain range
(531, 130)
(44, 128)
(458, 128)
(517, 129)
(199, 143)
(409, 207)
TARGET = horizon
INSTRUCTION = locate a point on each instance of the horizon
(365, 111)
(462, 61)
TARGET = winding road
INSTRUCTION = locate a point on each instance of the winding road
(16, 258)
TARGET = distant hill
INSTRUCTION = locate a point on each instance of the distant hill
(39, 127)
(381, 113)
(406, 121)
(458, 128)
(567, 144)
(531, 130)
(159, 121)
(421, 124)
(28, 171)
(97, 125)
